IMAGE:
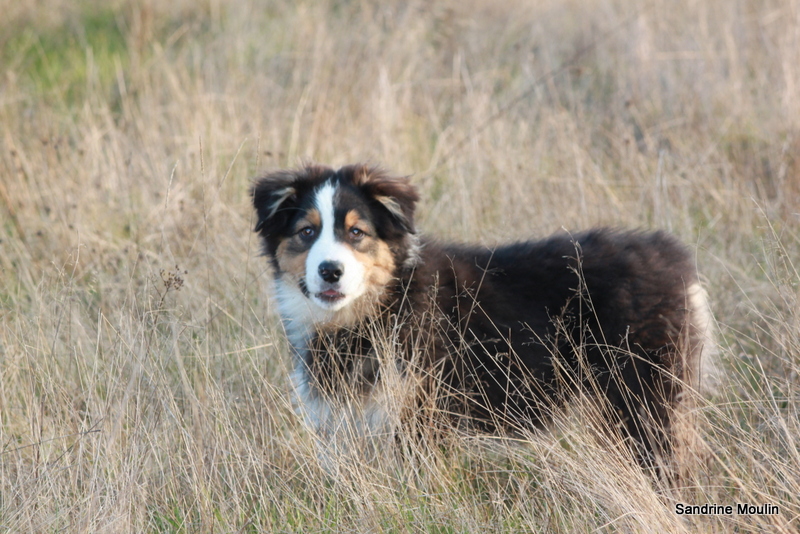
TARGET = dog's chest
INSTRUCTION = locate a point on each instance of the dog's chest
(340, 380)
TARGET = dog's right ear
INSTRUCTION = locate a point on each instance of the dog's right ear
(274, 197)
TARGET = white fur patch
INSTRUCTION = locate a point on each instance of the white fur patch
(328, 248)
(351, 429)
(299, 315)
(708, 371)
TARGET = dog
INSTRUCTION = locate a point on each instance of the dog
(490, 339)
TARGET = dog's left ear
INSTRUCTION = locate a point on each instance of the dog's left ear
(395, 193)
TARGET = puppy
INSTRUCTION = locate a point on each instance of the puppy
(489, 339)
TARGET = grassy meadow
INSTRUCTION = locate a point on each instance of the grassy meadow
(143, 372)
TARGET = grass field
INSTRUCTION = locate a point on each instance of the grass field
(143, 373)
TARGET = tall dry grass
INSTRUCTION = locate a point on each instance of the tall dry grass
(143, 374)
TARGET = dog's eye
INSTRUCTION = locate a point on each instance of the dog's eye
(357, 233)
(307, 232)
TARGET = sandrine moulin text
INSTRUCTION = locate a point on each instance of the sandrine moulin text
(741, 508)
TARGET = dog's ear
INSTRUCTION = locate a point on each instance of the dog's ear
(395, 193)
(274, 197)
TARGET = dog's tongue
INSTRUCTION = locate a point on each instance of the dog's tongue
(331, 293)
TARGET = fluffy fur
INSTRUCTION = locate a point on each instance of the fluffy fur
(482, 339)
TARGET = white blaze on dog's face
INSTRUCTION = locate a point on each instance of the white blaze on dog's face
(334, 275)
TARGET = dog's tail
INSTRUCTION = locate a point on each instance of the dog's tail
(702, 379)
(705, 371)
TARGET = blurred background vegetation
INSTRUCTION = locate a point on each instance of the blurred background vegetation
(143, 374)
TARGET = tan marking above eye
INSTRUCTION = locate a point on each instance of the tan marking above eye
(311, 218)
(351, 219)
(314, 218)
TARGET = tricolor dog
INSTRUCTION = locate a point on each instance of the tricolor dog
(490, 339)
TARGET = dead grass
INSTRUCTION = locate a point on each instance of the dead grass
(142, 371)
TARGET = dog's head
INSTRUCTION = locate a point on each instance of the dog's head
(335, 236)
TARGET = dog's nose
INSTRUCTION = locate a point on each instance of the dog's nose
(331, 271)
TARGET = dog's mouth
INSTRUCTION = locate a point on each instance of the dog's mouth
(330, 296)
